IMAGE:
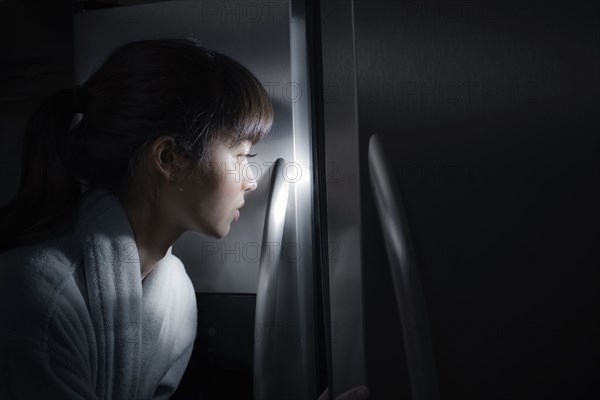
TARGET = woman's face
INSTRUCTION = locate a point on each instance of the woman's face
(210, 206)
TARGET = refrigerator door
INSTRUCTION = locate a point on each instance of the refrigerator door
(488, 111)
(404, 272)
(268, 274)
(342, 181)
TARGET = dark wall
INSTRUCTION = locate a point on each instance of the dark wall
(490, 112)
(36, 58)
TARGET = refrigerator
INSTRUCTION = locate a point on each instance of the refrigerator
(425, 221)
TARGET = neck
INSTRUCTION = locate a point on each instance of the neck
(153, 235)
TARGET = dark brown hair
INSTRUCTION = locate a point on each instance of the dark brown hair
(144, 90)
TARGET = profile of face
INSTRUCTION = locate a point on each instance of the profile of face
(211, 205)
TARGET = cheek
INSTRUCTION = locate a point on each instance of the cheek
(231, 184)
(221, 193)
(225, 195)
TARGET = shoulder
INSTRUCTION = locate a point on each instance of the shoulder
(42, 267)
(34, 279)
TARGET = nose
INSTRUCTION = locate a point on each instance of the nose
(250, 186)
(249, 180)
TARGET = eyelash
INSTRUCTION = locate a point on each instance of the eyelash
(249, 155)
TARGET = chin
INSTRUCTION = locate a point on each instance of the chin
(215, 231)
(221, 233)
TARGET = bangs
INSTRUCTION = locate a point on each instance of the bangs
(245, 112)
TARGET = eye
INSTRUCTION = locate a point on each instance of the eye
(247, 155)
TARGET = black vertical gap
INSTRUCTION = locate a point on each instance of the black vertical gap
(320, 238)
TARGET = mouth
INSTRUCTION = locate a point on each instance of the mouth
(236, 212)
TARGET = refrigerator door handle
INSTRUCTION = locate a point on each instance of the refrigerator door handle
(404, 272)
(266, 294)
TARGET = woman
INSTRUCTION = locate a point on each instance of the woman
(93, 304)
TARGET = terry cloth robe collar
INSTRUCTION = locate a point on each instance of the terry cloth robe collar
(141, 328)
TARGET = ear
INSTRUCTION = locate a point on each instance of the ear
(165, 158)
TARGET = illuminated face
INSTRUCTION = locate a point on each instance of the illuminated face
(211, 206)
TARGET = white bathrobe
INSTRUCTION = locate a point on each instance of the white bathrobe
(77, 322)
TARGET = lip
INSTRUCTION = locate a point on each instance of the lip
(236, 212)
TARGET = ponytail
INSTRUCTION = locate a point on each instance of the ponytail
(46, 202)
